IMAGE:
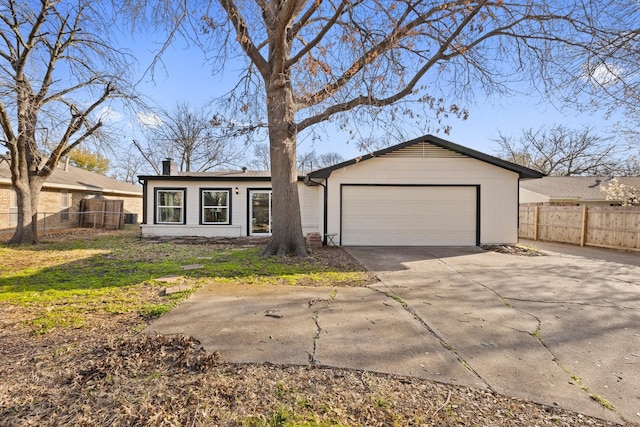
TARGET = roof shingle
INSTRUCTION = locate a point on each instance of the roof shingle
(587, 188)
(74, 178)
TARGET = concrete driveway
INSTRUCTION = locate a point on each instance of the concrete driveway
(559, 329)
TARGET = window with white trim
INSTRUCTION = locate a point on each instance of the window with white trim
(170, 206)
(65, 202)
(215, 206)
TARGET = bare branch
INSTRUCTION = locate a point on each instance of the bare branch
(243, 37)
(78, 121)
(321, 34)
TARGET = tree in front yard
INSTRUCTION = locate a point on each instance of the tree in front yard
(56, 71)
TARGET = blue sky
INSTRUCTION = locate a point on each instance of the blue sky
(184, 76)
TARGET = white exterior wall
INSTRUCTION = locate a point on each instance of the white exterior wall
(310, 200)
(498, 188)
(311, 208)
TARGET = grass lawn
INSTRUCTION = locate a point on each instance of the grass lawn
(71, 310)
(62, 282)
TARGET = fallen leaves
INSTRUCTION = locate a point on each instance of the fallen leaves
(156, 380)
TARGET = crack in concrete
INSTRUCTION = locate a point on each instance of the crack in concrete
(441, 340)
(536, 333)
(316, 337)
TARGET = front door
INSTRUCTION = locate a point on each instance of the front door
(260, 212)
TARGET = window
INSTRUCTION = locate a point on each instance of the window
(170, 206)
(64, 205)
(260, 212)
(13, 207)
(215, 206)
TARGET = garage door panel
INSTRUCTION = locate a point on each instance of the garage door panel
(408, 215)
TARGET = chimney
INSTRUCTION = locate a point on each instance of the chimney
(66, 164)
(168, 167)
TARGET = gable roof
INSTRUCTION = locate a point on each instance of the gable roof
(73, 178)
(574, 188)
(425, 142)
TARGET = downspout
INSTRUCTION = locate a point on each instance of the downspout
(309, 182)
(518, 211)
(144, 200)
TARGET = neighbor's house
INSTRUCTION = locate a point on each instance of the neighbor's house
(571, 190)
(61, 196)
(426, 191)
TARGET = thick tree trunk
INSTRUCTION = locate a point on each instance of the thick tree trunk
(26, 232)
(287, 237)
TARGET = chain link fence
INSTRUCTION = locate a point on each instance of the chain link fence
(48, 221)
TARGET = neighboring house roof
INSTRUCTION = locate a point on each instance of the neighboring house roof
(574, 188)
(522, 171)
(73, 178)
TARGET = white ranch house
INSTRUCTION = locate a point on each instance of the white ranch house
(424, 192)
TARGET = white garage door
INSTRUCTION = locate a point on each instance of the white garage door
(408, 216)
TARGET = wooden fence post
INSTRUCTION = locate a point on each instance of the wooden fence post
(536, 220)
(583, 228)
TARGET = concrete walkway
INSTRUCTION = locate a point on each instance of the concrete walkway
(559, 329)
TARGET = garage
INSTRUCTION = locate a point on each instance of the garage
(409, 215)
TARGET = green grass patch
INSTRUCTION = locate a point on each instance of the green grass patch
(286, 417)
(602, 401)
(62, 283)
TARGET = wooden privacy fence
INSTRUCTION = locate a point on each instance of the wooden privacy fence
(615, 227)
(101, 213)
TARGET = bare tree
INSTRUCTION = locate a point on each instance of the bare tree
(328, 159)
(127, 165)
(56, 70)
(261, 159)
(561, 151)
(308, 62)
(630, 166)
(306, 161)
(312, 160)
(192, 137)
